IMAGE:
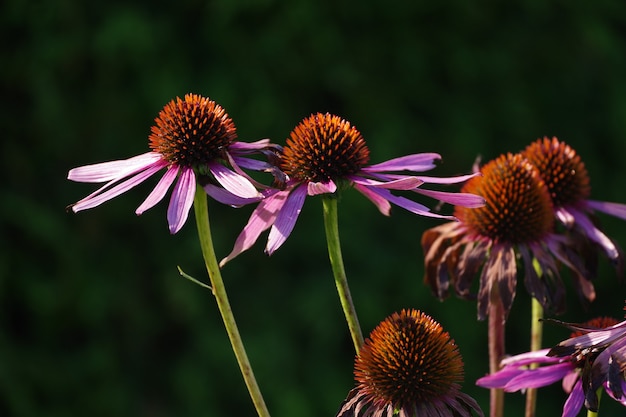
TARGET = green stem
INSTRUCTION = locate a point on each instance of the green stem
(496, 352)
(336, 261)
(595, 413)
(219, 291)
(536, 334)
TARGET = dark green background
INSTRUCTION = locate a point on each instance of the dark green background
(95, 319)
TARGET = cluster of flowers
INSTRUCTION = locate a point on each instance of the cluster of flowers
(507, 210)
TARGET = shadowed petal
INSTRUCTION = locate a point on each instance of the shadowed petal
(415, 162)
(159, 190)
(105, 193)
(596, 235)
(233, 182)
(181, 200)
(261, 219)
(107, 171)
(286, 219)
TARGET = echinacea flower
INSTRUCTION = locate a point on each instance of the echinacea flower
(517, 222)
(324, 154)
(410, 367)
(594, 357)
(568, 183)
(192, 137)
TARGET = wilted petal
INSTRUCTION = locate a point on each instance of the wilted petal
(159, 190)
(286, 219)
(415, 162)
(233, 182)
(107, 171)
(181, 200)
(261, 219)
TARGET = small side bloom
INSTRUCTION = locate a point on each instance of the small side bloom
(592, 358)
(325, 154)
(192, 139)
(409, 366)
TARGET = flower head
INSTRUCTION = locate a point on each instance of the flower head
(192, 137)
(411, 367)
(325, 153)
(517, 221)
(568, 183)
(594, 357)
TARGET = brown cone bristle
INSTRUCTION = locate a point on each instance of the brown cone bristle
(597, 323)
(561, 169)
(192, 131)
(518, 207)
(408, 359)
(324, 147)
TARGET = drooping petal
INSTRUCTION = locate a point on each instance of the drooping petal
(403, 183)
(181, 200)
(595, 234)
(114, 170)
(159, 190)
(226, 197)
(458, 199)
(499, 379)
(539, 377)
(409, 205)
(232, 181)
(415, 162)
(245, 147)
(449, 180)
(253, 164)
(109, 190)
(286, 219)
(263, 216)
(380, 202)
(316, 188)
(574, 401)
(613, 209)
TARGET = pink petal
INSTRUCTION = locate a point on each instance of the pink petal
(226, 197)
(112, 170)
(415, 162)
(383, 205)
(286, 219)
(233, 182)
(182, 199)
(249, 146)
(458, 199)
(449, 180)
(316, 188)
(402, 183)
(107, 192)
(539, 377)
(409, 205)
(159, 190)
(261, 219)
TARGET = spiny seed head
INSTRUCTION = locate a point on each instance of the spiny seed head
(409, 359)
(518, 207)
(192, 132)
(324, 147)
(562, 170)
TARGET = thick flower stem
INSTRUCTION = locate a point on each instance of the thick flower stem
(336, 261)
(219, 291)
(536, 334)
(496, 352)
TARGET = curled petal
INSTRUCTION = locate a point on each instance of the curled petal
(415, 162)
(114, 170)
(181, 200)
(316, 188)
(286, 219)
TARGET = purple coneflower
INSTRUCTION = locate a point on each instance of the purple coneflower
(324, 154)
(568, 183)
(192, 137)
(594, 357)
(409, 366)
(517, 221)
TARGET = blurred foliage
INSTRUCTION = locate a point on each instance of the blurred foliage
(95, 318)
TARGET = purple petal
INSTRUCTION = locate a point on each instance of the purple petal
(402, 183)
(107, 171)
(248, 146)
(595, 234)
(535, 356)
(449, 180)
(182, 199)
(105, 193)
(613, 209)
(458, 199)
(499, 379)
(286, 219)
(233, 182)
(316, 188)
(409, 205)
(415, 162)
(263, 216)
(539, 377)
(253, 164)
(379, 201)
(226, 197)
(159, 190)
(575, 401)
